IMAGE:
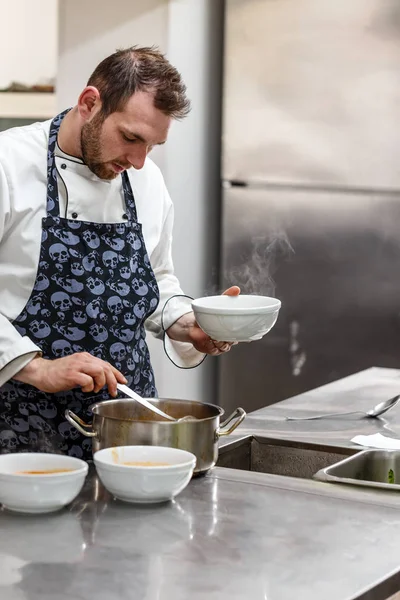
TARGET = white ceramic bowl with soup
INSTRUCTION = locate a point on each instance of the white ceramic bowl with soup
(144, 474)
(40, 482)
(236, 318)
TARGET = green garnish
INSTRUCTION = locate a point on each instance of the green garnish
(390, 476)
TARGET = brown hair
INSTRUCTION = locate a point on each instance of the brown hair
(137, 69)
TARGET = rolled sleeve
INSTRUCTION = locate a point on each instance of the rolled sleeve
(173, 302)
(15, 351)
(183, 354)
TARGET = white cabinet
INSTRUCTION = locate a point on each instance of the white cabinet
(27, 105)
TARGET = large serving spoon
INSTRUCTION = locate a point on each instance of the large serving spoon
(375, 412)
(127, 390)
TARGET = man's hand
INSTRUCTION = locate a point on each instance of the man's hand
(78, 370)
(186, 329)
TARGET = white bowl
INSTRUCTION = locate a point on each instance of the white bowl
(144, 484)
(32, 493)
(236, 318)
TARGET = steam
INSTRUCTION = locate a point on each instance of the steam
(258, 263)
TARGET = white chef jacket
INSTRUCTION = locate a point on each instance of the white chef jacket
(23, 181)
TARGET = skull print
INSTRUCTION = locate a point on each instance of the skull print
(8, 440)
(96, 286)
(61, 348)
(79, 317)
(140, 309)
(77, 269)
(125, 272)
(118, 352)
(115, 243)
(47, 409)
(122, 333)
(115, 305)
(94, 308)
(134, 240)
(98, 332)
(75, 253)
(40, 329)
(66, 237)
(74, 334)
(35, 304)
(68, 431)
(91, 238)
(110, 259)
(59, 253)
(61, 301)
(99, 351)
(41, 283)
(68, 284)
(129, 318)
(120, 228)
(17, 423)
(90, 260)
(140, 287)
(119, 287)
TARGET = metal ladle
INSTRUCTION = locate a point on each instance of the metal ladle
(126, 390)
(375, 412)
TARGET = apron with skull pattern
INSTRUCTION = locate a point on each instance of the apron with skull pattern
(93, 292)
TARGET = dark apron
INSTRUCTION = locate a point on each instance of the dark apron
(93, 292)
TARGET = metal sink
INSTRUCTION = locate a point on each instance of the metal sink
(372, 468)
(264, 455)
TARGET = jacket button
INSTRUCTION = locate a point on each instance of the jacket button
(63, 166)
(74, 215)
(125, 216)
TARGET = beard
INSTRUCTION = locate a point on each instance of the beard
(91, 148)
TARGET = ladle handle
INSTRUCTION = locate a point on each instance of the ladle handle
(126, 390)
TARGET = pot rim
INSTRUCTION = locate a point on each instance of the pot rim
(116, 400)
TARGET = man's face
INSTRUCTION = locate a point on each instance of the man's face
(123, 139)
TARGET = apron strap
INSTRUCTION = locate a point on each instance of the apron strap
(129, 198)
(53, 203)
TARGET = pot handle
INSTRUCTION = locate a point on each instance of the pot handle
(239, 414)
(78, 423)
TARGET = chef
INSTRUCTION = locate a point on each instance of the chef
(85, 254)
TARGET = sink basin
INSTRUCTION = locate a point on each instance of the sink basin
(371, 468)
(264, 455)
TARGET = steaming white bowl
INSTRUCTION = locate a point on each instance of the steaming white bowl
(39, 493)
(144, 484)
(236, 318)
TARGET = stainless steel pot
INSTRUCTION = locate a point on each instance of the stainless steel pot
(124, 422)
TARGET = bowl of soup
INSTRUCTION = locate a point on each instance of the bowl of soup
(144, 474)
(40, 482)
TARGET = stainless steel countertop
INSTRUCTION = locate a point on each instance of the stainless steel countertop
(229, 535)
(360, 391)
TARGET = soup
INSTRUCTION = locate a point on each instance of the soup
(147, 463)
(135, 463)
(45, 472)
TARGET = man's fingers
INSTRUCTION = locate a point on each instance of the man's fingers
(96, 371)
(118, 375)
(85, 382)
(234, 290)
(111, 381)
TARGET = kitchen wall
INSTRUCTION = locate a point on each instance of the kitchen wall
(28, 41)
(190, 32)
